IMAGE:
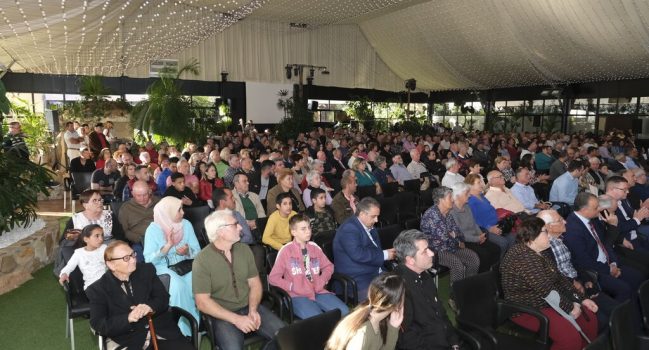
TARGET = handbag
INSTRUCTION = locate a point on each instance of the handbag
(181, 268)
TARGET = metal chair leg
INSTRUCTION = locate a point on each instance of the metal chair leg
(72, 204)
(67, 323)
(65, 200)
(72, 333)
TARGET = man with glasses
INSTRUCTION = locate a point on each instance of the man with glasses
(565, 187)
(585, 238)
(136, 214)
(585, 285)
(357, 248)
(124, 296)
(227, 292)
(632, 247)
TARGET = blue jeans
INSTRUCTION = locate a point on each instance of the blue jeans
(229, 337)
(304, 307)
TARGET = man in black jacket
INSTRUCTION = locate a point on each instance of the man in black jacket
(425, 324)
(121, 299)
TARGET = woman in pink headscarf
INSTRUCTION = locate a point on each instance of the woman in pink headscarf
(169, 240)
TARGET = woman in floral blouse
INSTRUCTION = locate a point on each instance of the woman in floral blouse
(445, 237)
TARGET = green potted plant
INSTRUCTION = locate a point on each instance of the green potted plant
(166, 111)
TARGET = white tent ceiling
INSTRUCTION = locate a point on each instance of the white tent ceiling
(444, 44)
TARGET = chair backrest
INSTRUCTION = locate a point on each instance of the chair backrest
(311, 333)
(389, 211)
(271, 256)
(366, 191)
(390, 189)
(80, 182)
(325, 240)
(623, 336)
(118, 230)
(388, 234)
(475, 298)
(643, 292)
(407, 202)
(261, 224)
(412, 224)
(196, 216)
(165, 278)
(413, 185)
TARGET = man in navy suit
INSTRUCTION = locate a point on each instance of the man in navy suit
(633, 248)
(357, 248)
(585, 238)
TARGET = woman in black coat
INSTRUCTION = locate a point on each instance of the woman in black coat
(123, 297)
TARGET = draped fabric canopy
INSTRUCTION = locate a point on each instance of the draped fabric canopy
(444, 44)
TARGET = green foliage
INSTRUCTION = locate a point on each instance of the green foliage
(37, 134)
(296, 116)
(5, 105)
(361, 110)
(166, 112)
(20, 183)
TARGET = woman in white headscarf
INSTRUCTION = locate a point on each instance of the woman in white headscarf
(168, 241)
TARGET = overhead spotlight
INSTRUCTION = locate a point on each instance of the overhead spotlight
(325, 71)
(224, 76)
(309, 81)
(288, 71)
(296, 70)
(311, 73)
(411, 84)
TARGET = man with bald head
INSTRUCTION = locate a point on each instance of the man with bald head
(136, 214)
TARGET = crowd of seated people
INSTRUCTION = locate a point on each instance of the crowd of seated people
(308, 185)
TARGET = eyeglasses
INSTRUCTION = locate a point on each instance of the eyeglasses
(622, 189)
(126, 258)
(233, 224)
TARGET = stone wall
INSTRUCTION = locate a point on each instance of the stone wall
(19, 260)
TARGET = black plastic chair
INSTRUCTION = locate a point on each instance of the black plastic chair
(389, 211)
(366, 191)
(261, 225)
(479, 309)
(75, 184)
(196, 216)
(311, 333)
(413, 185)
(118, 230)
(412, 224)
(603, 342)
(623, 336)
(77, 303)
(407, 203)
(643, 293)
(388, 234)
(390, 189)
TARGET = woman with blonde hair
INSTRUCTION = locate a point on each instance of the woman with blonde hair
(374, 325)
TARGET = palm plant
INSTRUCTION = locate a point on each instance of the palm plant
(166, 112)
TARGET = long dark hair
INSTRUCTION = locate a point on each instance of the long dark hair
(86, 232)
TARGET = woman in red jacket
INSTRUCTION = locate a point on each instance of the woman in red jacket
(303, 270)
(209, 182)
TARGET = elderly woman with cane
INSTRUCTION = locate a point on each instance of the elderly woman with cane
(129, 305)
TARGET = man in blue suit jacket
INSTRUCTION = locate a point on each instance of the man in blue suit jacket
(589, 252)
(357, 248)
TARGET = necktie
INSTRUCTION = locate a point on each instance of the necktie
(599, 243)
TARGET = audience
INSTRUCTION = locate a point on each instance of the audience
(123, 299)
(136, 214)
(425, 324)
(285, 185)
(230, 294)
(277, 232)
(82, 163)
(179, 190)
(314, 181)
(357, 248)
(88, 257)
(499, 195)
(303, 271)
(344, 202)
(374, 324)
(170, 244)
(528, 277)
(104, 179)
(445, 237)
(566, 186)
(322, 216)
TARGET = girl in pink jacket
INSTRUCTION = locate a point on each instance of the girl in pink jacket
(303, 270)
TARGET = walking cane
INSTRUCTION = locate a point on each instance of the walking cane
(154, 339)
